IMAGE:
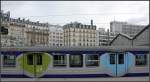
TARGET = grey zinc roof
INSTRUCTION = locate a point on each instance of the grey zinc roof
(147, 27)
(123, 35)
(128, 37)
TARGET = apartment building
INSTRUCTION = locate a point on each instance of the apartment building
(103, 37)
(37, 34)
(56, 35)
(23, 32)
(77, 34)
(126, 28)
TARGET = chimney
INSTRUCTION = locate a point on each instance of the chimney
(37, 22)
(92, 23)
(23, 20)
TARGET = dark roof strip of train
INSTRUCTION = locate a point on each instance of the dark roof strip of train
(102, 48)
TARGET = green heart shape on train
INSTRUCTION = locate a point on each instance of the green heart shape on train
(35, 68)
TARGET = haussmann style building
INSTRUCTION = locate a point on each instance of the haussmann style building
(77, 34)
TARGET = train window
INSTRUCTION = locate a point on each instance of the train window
(112, 58)
(121, 59)
(30, 59)
(59, 60)
(92, 60)
(76, 60)
(39, 59)
(140, 60)
(9, 60)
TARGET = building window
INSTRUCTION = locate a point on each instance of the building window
(92, 60)
(83, 44)
(9, 60)
(99, 44)
(112, 58)
(76, 60)
(59, 60)
(141, 60)
(79, 44)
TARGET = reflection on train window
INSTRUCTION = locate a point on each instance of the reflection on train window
(9, 60)
(59, 60)
(112, 58)
(140, 60)
(30, 59)
(92, 60)
(121, 59)
(39, 59)
(76, 60)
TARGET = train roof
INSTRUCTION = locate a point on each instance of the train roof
(102, 48)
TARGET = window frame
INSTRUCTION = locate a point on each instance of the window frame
(92, 60)
(71, 64)
(64, 59)
(145, 60)
(9, 59)
(114, 61)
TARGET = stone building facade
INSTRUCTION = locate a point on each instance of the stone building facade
(104, 37)
(77, 34)
(15, 36)
(23, 32)
(37, 34)
(56, 35)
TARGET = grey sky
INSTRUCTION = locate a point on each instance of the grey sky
(62, 12)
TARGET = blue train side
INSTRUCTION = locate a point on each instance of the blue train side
(74, 62)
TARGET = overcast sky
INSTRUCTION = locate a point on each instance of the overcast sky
(62, 12)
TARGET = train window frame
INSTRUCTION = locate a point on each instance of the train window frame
(72, 64)
(139, 60)
(110, 59)
(62, 58)
(92, 60)
(6, 60)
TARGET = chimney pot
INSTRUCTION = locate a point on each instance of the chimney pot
(91, 22)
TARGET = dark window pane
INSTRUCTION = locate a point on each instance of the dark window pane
(39, 59)
(141, 60)
(92, 60)
(121, 59)
(59, 60)
(30, 59)
(9, 60)
(112, 58)
(76, 60)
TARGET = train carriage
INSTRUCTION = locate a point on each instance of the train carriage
(74, 62)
